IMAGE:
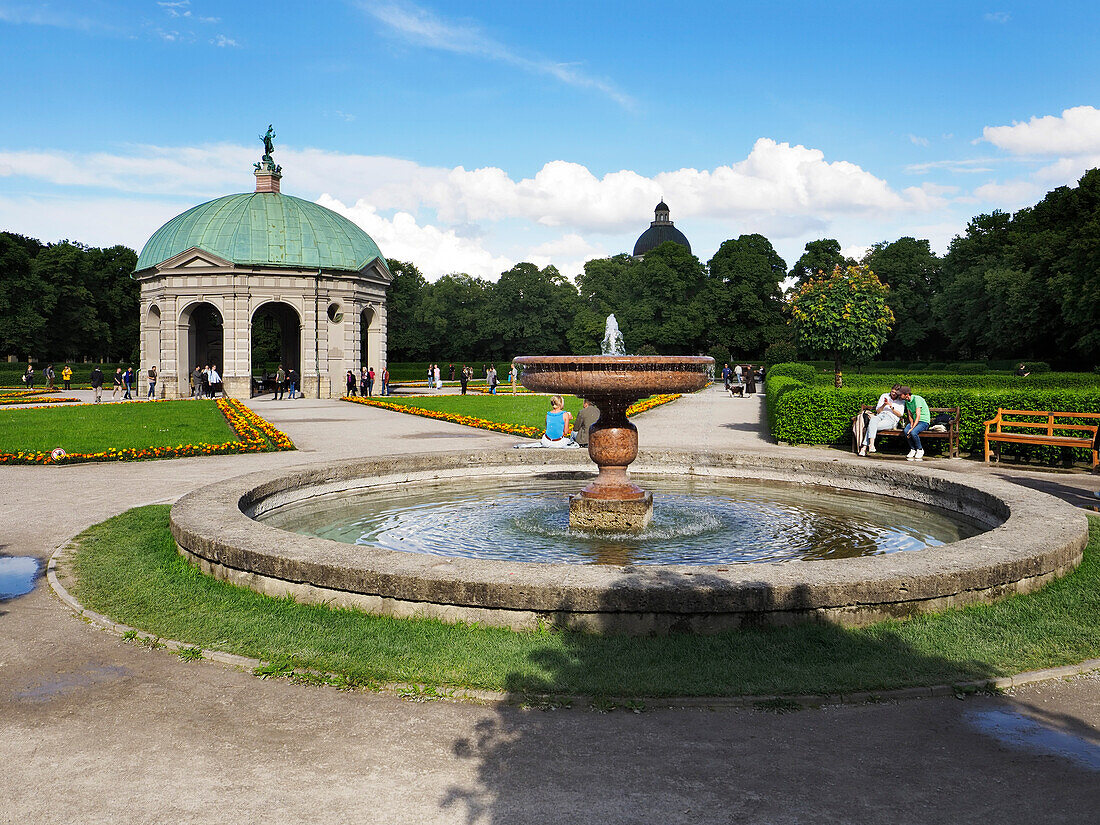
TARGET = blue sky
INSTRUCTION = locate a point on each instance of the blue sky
(469, 136)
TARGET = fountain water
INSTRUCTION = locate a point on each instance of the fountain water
(613, 382)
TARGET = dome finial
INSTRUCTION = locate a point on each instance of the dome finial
(267, 172)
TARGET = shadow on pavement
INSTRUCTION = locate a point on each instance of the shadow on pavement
(876, 762)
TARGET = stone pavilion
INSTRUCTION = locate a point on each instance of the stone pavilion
(210, 276)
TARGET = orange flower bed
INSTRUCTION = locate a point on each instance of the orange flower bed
(495, 426)
(255, 434)
(42, 396)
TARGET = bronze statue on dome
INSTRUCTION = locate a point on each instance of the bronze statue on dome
(268, 162)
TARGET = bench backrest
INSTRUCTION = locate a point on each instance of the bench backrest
(1049, 425)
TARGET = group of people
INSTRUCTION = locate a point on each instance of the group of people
(896, 404)
(206, 382)
(286, 383)
(741, 380)
(562, 430)
(366, 381)
(50, 376)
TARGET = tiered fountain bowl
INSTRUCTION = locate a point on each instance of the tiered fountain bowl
(613, 383)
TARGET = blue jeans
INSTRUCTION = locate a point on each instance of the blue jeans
(913, 434)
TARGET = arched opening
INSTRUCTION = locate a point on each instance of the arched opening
(366, 317)
(152, 339)
(205, 339)
(276, 339)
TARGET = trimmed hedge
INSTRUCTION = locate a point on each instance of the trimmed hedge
(928, 380)
(800, 372)
(803, 413)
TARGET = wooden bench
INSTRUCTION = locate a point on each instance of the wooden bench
(1087, 440)
(951, 433)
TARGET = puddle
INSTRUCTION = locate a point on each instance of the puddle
(1021, 732)
(66, 684)
(17, 575)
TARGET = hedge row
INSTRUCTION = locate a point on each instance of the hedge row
(926, 381)
(799, 413)
(958, 367)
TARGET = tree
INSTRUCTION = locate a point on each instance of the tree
(912, 272)
(844, 314)
(665, 303)
(532, 310)
(820, 256)
(743, 297)
(22, 323)
(403, 299)
(604, 288)
(452, 318)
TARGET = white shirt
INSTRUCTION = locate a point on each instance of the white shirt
(894, 406)
(737, 370)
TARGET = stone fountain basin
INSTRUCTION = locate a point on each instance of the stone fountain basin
(1032, 539)
(633, 376)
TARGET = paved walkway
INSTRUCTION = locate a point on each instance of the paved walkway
(96, 730)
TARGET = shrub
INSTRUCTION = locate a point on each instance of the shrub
(721, 356)
(800, 372)
(968, 367)
(781, 352)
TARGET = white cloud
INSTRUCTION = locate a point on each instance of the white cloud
(221, 41)
(1075, 132)
(435, 251)
(918, 141)
(1010, 194)
(1001, 17)
(855, 251)
(424, 28)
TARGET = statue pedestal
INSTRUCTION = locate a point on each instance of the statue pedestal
(610, 515)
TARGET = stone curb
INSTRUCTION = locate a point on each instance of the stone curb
(563, 701)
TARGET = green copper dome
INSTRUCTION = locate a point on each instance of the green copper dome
(264, 229)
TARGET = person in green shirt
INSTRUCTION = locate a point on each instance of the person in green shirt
(916, 409)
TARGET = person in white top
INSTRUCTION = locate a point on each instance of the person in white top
(438, 378)
(888, 412)
(740, 373)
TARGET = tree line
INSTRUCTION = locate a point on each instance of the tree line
(1023, 286)
(67, 301)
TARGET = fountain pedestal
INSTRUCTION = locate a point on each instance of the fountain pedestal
(613, 382)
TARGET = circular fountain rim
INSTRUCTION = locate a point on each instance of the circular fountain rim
(634, 362)
(213, 527)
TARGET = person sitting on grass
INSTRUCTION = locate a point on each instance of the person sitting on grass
(887, 414)
(917, 410)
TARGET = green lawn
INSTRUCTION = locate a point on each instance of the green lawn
(522, 409)
(128, 569)
(93, 428)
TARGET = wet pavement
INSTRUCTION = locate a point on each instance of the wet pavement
(93, 729)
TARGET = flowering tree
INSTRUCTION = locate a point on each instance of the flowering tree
(843, 313)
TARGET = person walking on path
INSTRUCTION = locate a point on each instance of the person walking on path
(463, 379)
(369, 383)
(97, 383)
(28, 377)
(349, 380)
(363, 381)
(438, 378)
(128, 383)
(117, 389)
(152, 382)
(727, 374)
(292, 380)
(67, 377)
(513, 374)
(50, 375)
(492, 378)
(196, 382)
(750, 380)
(215, 382)
(280, 378)
(385, 380)
(739, 374)
(917, 410)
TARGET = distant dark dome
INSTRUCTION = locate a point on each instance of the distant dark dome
(661, 207)
(657, 235)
